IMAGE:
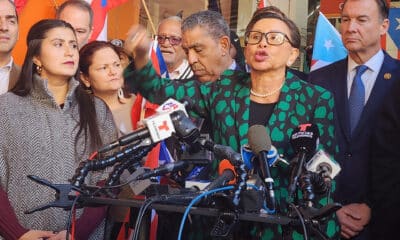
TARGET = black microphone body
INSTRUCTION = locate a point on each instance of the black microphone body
(184, 127)
(223, 152)
(296, 172)
(304, 141)
(226, 176)
(167, 168)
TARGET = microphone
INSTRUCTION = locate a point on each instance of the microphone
(260, 143)
(324, 165)
(304, 141)
(171, 105)
(273, 156)
(223, 152)
(166, 168)
(227, 174)
(158, 127)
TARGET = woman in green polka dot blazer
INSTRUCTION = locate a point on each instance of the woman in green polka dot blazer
(269, 95)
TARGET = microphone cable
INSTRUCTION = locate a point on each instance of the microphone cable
(70, 226)
(303, 224)
(194, 201)
(71, 220)
(147, 203)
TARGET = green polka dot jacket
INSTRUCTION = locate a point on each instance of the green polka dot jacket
(226, 103)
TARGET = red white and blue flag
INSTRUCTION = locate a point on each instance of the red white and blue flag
(328, 46)
(100, 9)
(261, 4)
(158, 60)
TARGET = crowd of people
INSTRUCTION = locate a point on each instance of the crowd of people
(72, 96)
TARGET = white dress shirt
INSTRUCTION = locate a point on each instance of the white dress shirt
(374, 65)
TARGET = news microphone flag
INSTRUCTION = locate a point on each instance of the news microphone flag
(328, 46)
(157, 59)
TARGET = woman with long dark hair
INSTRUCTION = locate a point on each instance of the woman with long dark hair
(48, 124)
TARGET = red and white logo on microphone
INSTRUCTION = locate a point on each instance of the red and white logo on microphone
(160, 126)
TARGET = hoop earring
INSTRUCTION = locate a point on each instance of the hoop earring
(39, 70)
(121, 96)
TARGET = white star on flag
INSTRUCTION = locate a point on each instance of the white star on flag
(398, 26)
(328, 44)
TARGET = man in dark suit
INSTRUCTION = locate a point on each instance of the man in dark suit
(385, 165)
(9, 72)
(363, 23)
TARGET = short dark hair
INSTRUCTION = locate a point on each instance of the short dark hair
(294, 38)
(87, 112)
(209, 20)
(81, 4)
(382, 7)
(15, 8)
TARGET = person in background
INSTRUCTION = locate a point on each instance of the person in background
(359, 84)
(206, 42)
(269, 96)
(236, 51)
(79, 14)
(48, 125)
(123, 56)
(169, 37)
(9, 28)
(101, 74)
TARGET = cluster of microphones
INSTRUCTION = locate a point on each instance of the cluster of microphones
(311, 170)
(258, 156)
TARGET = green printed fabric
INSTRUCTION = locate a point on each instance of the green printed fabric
(226, 103)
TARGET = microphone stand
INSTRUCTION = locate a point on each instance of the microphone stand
(98, 164)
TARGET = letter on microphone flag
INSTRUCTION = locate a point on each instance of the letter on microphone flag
(328, 46)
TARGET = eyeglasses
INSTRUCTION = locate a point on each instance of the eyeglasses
(172, 39)
(273, 38)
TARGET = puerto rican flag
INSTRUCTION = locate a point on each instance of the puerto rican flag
(328, 46)
(158, 60)
(100, 9)
(391, 41)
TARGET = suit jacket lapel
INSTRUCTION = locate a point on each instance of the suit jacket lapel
(382, 84)
(341, 98)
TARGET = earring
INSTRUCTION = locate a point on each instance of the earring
(39, 69)
(121, 96)
(88, 90)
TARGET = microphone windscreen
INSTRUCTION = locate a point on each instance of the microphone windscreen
(305, 138)
(226, 165)
(259, 139)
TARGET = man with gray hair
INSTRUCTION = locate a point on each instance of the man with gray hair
(79, 14)
(206, 41)
(169, 36)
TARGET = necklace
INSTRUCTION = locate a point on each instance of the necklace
(268, 94)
